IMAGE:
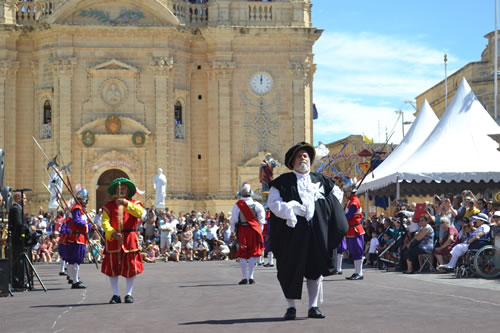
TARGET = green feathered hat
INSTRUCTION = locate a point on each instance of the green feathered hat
(123, 181)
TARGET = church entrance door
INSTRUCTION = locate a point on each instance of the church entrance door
(102, 195)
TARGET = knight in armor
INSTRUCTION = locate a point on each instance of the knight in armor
(78, 238)
(355, 234)
(247, 221)
(307, 225)
(120, 217)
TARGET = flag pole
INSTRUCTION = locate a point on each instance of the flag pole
(446, 82)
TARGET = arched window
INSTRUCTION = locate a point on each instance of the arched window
(47, 113)
(179, 125)
(46, 132)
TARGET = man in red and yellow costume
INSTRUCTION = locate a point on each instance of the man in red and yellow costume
(119, 221)
(355, 233)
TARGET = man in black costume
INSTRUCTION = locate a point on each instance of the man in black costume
(19, 231)
(307, 225)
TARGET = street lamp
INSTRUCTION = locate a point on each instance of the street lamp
(403, 122)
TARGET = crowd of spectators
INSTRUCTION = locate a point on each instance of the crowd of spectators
(431, 228)
(434, 228)
(163, 236)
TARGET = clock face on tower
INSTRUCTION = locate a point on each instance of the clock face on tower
(261, 83)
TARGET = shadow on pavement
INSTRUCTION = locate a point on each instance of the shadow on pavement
(67, 305)
(237, 321)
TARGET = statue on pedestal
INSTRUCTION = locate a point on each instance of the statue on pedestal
(160, 185)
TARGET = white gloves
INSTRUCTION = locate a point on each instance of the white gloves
(298, 209)
(291, 223)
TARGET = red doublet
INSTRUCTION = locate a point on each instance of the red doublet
(78, 233)
(122, 257)
(249, 236)
(355, 226)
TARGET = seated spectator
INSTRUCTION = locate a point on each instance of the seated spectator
(448, 241)
(422, 243)
(149, 255)
(221, 250)
(476, 240)
(176, 249)
(201, 248)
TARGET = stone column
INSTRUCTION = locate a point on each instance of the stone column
(161, 68)
(62, 124)
(8, 104)
(301, 73)
(223, 71)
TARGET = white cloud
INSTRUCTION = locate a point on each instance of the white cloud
(363, 78)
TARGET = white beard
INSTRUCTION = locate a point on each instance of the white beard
(303, 167)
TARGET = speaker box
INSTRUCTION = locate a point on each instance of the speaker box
(4, 277)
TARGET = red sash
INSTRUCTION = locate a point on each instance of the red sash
(251, 219)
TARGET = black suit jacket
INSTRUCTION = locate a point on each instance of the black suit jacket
(18, 226)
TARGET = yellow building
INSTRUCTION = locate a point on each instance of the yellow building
(479, 75)
(124, 87)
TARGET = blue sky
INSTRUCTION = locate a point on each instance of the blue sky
(375, 55)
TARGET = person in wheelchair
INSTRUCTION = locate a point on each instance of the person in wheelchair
(478, 239)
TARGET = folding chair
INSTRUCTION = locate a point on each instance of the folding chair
(425, 260)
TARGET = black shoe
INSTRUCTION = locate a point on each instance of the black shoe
(115, 299)
(355, 277)
(129, 299)
(78, 285)
(315, 313)
(337, 273)
(291, 314)
(251, 281)
(268, 265)
(63, 273)
(244, 281)
(70, 281)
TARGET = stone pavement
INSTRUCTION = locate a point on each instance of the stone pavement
(205, 297)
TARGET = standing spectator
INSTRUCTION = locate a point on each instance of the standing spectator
(187, 242)
(460, 211)
(212, 233)
(149, 224)
(372, 251)
(471, 210)
(166, 233)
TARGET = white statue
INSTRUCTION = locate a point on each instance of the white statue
(160, 185)
(55, 186)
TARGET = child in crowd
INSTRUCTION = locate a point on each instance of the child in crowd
(372, 251)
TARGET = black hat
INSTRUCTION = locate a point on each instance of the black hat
(290, 154)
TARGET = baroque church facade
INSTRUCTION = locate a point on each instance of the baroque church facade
(201, 89)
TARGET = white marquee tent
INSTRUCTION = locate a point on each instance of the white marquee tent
(420, 129)
(457, 154)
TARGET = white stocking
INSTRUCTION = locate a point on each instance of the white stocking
(130, 285)
(313, 289)
(251, 266)
(243, 263)
(358, 266)
(271, 258)
(339, 262)
(291, 303)
(71, 272)
(114, 285)
(62, 266)
(76, 268)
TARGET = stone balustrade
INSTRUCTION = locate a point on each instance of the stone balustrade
(200, 12)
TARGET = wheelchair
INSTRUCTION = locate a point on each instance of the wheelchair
(481, 261)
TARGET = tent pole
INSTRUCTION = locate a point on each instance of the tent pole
(398, 194)
(367, 204)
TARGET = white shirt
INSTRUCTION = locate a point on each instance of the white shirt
(373, 245)
(308, 192)
(259, 211)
